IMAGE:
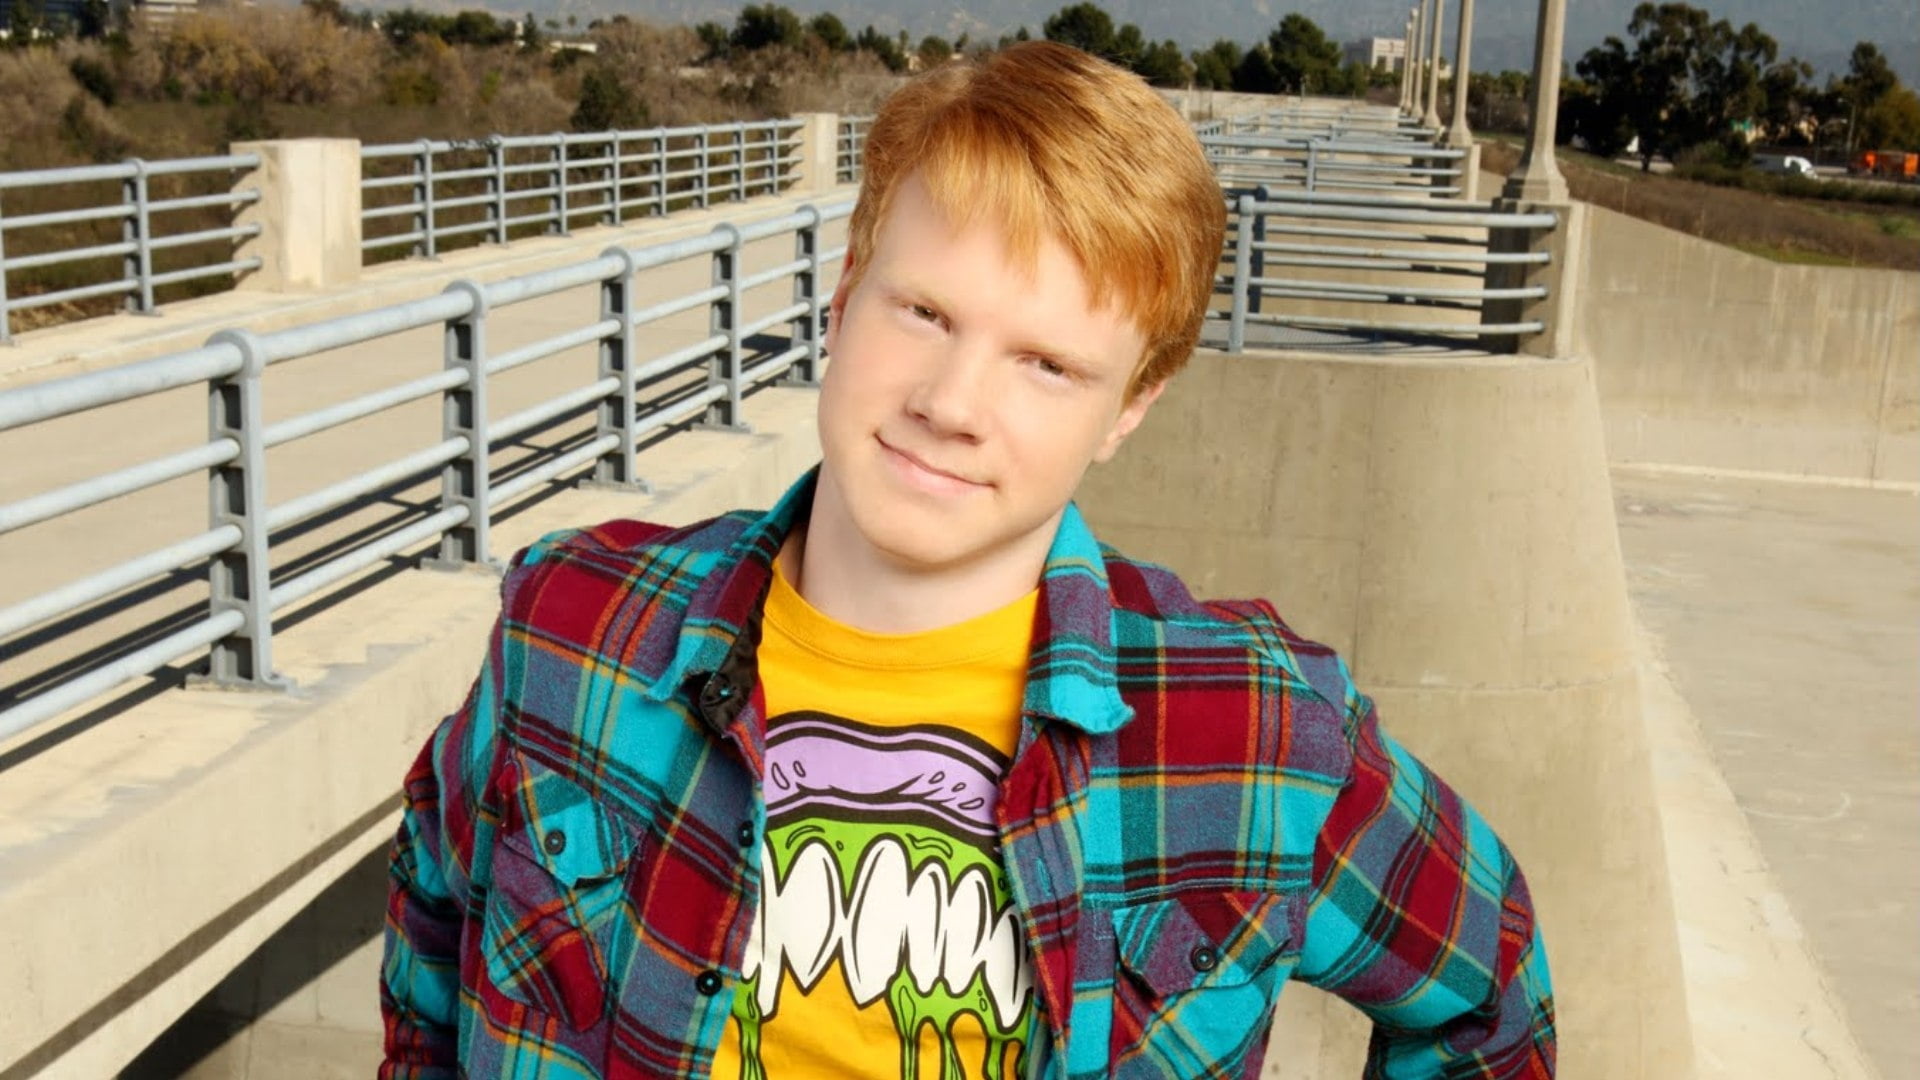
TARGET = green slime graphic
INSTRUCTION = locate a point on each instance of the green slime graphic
(941, 1008)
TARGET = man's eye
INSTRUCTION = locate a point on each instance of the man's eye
(1049, 368)
(924, 313)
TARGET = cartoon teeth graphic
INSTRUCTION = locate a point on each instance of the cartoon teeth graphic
(879, 854)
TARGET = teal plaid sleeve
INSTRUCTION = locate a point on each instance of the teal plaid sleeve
(1421, 918)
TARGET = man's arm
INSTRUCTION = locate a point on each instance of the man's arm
(1420, 917)
(429, 872)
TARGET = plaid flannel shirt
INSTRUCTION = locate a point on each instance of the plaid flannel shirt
(1201, 807)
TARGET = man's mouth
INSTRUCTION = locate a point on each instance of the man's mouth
(929, 473)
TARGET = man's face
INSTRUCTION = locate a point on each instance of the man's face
(967, 394)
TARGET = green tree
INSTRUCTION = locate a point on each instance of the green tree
(830, 32)
(1213, 67)
(1255, 74)
(1893, 122)
(1085, 26)
(934, 51)
(1686, 80)
(1129, 45)
(884, 48)
(1304, 61)
(762, 25)
(714, 40)
(607, 103)
(1164, 65)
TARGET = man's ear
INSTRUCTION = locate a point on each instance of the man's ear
(1129, 418)
(837, 307)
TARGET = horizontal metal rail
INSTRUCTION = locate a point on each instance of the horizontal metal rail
(147, 223)
(242, 538)
(548, 183)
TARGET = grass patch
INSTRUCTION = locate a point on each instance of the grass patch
(1777, 225)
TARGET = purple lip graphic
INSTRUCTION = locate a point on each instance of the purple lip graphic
(817, 763)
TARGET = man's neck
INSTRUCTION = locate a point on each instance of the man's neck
(843, 577)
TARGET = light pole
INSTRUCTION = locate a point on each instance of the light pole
(1458, 136)
(1430, 119)
(1538, 178)
(1406, 66)
(1420, 57)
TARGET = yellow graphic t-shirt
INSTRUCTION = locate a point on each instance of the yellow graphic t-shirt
(887, 945)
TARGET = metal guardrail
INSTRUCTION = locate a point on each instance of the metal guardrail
(491, 189)
(1392, 252)
(1364, 122)
(630, 397)
(1313, 163)
(850, 148)
(149, 228)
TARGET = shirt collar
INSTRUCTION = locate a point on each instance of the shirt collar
(1070, 671)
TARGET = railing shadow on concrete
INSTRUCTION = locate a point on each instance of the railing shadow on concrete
(634, 398)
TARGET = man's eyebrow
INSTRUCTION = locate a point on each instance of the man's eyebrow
(905, 283)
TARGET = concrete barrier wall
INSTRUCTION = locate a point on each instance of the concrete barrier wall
(1711, 358)
(1448, 525)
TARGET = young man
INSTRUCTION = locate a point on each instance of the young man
(909, 776)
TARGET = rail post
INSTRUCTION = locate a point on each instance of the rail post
(1313, 164)
(612, 214)
(618, 415)
(497, 161)
(557, 202)
(6, 313)
(239, 579)
(723, 367)
(465, 481)
(1242, 270)
(660, 175)
(423, 215)
(805, 328)
(705, 177)
(1257, 258)
(137, 229)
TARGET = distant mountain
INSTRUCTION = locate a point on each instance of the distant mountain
(1820, 33)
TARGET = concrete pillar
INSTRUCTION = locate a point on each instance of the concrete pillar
(1457, 133)
(1538, 178)
(1431, 117)
(308, 213)
(1500, 652)
(819, 152)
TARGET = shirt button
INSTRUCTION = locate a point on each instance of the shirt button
(718, 689)
(746, 834)
(555, 842)
(1203, 958)
(708, 983)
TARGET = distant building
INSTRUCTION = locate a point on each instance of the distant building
(164, 11)
(1381, 54)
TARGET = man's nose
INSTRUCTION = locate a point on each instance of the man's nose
(954, 391)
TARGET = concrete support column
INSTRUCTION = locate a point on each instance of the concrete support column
(1538, 178)
(1501, 654)
(819, 152)
(308, 213)
(1457, 133)
(1437, 30)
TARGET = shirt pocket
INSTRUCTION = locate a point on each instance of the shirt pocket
(1199, 974)
(554, 930)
